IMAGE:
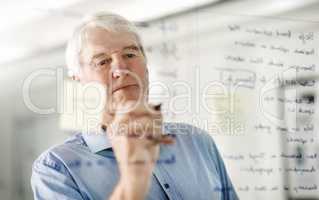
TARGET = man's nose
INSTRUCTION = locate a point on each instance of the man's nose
(119, 67)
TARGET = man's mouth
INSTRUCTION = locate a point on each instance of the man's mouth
(124, 87)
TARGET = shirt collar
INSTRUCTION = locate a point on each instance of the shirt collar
(99, 141)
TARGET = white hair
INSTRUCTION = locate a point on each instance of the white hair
(109, 21)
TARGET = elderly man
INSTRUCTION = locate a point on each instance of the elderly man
(135, 155)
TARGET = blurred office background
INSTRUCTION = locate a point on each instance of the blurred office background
(32, 48)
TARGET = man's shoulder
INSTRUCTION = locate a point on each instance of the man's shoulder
(58, 155)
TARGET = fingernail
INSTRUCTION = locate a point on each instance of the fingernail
(103, 127)
(158, 107)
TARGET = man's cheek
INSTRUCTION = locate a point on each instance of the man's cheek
(140, 74)
(102, 79)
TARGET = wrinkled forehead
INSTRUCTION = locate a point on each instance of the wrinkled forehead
(97, 40)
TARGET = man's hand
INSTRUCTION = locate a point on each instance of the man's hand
(135, 131)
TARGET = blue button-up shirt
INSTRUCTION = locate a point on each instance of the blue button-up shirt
(84, 167)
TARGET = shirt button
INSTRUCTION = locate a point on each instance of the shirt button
(166, 185)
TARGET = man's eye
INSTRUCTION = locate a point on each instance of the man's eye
(102, 62)
(130, 55)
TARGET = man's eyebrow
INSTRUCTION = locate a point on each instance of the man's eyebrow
(97, 55)
(132, 47)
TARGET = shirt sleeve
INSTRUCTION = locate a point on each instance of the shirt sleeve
(51, 180)
(227, 189)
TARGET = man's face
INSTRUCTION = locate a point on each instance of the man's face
(115, 60)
